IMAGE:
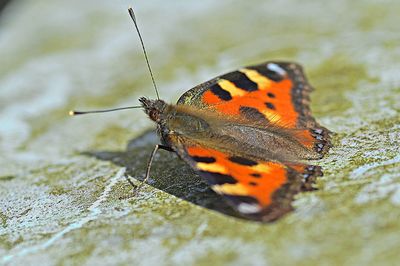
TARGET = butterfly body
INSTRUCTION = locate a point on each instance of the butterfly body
(248, 133)
(226, 133)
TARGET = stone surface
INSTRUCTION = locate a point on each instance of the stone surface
(61, 178)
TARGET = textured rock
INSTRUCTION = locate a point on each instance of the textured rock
(61, 178)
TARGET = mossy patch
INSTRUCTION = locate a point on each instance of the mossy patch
(114, 137)
(333, 78)
(7, 177)
(3, 219)
(372, 16)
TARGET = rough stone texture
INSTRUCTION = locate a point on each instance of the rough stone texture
(61, 178)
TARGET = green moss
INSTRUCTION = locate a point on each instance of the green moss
(79, 257)
(390, 44)
(53, 173)
(219, 257)
(57, 190)
(372, 16)
(3, 219)
(7, 244)
(113, 137)
(7, 177)
(333, 78)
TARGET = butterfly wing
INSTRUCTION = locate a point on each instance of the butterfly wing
(272, 93)
(276, 92)
(260, 190)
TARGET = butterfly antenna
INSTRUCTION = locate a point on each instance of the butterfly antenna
(132, 14)
(73, 112)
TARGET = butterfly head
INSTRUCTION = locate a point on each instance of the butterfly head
(153, 108)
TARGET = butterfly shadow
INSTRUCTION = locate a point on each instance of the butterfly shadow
(168, 173)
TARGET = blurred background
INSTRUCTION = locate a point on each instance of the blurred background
(62, 55)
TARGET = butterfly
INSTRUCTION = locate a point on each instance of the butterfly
(248, 133)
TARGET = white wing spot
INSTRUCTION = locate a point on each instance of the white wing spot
(248, 208)
(276, 68)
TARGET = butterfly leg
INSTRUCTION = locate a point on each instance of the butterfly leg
(136, 189)
(153, 153)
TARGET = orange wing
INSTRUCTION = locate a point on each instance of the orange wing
(276, 92)
(260, 190)
(272, 92)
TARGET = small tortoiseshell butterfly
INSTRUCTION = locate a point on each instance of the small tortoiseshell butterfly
(248, 134)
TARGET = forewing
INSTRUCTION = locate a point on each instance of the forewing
(272, 92)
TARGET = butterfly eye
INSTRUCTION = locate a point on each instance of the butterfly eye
(154, 115)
